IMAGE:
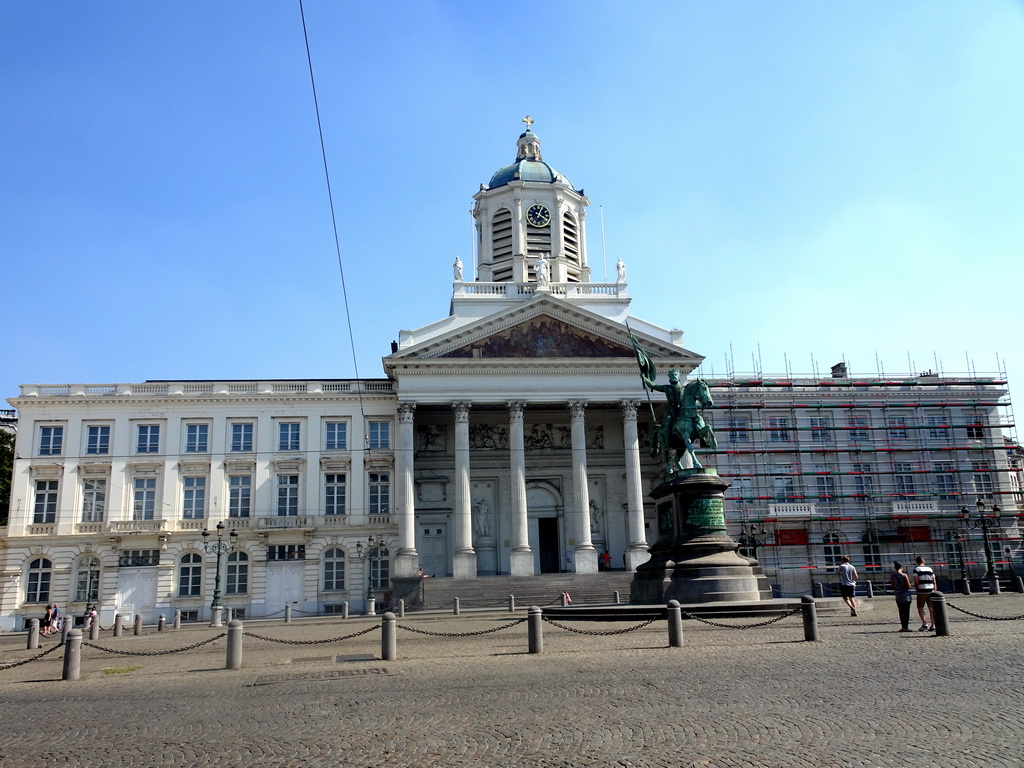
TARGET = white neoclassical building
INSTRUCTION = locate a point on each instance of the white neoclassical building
(509, 437)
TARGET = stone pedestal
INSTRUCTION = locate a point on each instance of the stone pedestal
(694, 559)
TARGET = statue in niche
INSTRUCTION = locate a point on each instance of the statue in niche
(482, 518)
(595, 522)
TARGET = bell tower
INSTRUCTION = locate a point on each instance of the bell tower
(529, 217)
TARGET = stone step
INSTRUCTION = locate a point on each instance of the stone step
(546, 589)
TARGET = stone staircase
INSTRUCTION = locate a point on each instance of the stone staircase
(435, 594)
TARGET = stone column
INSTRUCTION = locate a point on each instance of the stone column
(636, 550)
(521, 557)
(406, 562)
(464, 561)
(584, 556)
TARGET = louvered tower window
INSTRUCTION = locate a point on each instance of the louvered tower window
(538, 241)
(571, 247)
(501, 246)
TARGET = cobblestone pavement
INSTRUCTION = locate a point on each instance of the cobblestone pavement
(864, 696)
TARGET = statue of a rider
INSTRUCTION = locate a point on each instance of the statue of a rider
(673, 413)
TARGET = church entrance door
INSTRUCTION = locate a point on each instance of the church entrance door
(544, 543)
(432, 546)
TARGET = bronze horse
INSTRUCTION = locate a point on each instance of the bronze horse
(683, 423)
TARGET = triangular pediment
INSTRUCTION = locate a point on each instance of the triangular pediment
(539, 337)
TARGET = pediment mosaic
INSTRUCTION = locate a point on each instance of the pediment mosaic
(541, 336)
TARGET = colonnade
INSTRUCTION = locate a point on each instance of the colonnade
(521, 561)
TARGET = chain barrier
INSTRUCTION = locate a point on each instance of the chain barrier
(48, 651)
(313, 642)
(979, 616)
(743, 626)
(596, 632)
(462, 634)
(116, 652)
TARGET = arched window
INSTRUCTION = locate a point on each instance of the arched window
(87, 580)
(334, 570)
(37, 590)
(238, 574)
(190, 575)
(380, 569)
(831, 543)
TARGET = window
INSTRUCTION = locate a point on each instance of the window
(833, 549)
(51, 441)
(334, 494)
(954, 550)
(97, 440)
(94, 500)
(287, 495)
(239, 495)
(905, 481)
(863, 483)
(858, 428)
(782, 488)
(237, 574)
(144, 505)
(821, 429)
(981, 475)
(945, 480)
(938, 428)
(148, 438)
(379, 434)
(46, 502)
(288, 436)
(87, 580)
(872, 552)
(826, 487)
(194, 502)
(334, 570)
(335, 436)
(778, 429)
(190, 575)
(286, 552)
(975, 428)
(741, 490)
(197, 438)
(380, 493)
(241, 437)
(135, 558)
(897, 427)
(37, 588)
(380, 569)
(738, 429)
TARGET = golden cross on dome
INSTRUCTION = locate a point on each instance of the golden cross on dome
(529, 121)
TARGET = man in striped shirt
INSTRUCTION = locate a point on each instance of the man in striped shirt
(924, 582)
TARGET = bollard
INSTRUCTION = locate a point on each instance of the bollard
(819, 590)
(965, 586)
(388, 645)
(177, 619)
(511, 603)
(65, 628)
(675, 624)
(371, 606)
(993, 585)
(33, 634)
(1018, 582)
(344, 610)
(937, 602)
(161, 623)
(287, 614)
(455, 607)
(215, 617)
(871, 590)
(618, 597)
(94, 627)
(401, 608)
(229, 615)
(73, 656)
(117, 625)
(565, 599)
(234, 660)
(138, 624)
(810, 612)
(535, 625)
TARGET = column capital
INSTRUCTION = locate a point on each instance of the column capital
(461, 409)
(406, 411)
(577, 408)
(515, 410)
(629, 408)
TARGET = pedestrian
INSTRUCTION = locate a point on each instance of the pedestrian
(924, 583)
(44, 624)
(904, 595)
(848, 583)
(607, 560)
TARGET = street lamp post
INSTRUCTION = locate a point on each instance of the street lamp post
(220, 548)
(753, 539)
(984, 522)
(371, 554)
(958, 542)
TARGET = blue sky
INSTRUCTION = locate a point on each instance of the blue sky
(796, 182)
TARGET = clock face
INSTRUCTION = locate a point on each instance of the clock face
(538, 215)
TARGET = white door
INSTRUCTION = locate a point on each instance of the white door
(432, 546)
(284, 585)
(136, 593)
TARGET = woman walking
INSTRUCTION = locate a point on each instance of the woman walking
(904, 595)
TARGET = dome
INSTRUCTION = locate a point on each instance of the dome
(529, 165)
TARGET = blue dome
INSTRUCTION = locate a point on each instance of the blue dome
(528, 170)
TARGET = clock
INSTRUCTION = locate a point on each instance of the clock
(538, 215)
